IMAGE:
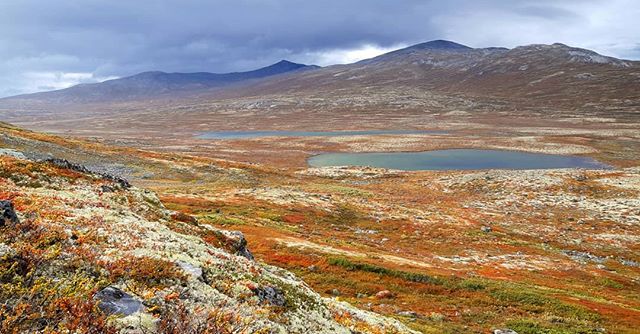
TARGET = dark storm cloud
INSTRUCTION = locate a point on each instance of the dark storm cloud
(52, 44)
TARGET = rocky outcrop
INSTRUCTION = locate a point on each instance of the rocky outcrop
(62, 163)
(238, 243)
(7, 214)
(270, 295)
(112, 300)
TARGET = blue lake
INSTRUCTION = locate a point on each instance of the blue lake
(258, 134)
(455, 159)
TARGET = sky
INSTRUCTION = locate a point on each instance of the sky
(47, 45)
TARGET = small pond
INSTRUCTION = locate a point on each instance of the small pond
(259, 134)
(455, 159)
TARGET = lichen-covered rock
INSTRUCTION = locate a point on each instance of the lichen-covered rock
(270, 295)
(112, 300)
(504, 331)
(193, 271)
(183, 217)
(7, 214)
(238, 243)
(6, 251)
(384, 294)
(62, 163)
(12, 153)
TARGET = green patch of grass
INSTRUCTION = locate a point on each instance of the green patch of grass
(609, 283)
(529, 326)
(408, 276)
(520, 297)
(537, 303)
(472, 285)
(220, 219)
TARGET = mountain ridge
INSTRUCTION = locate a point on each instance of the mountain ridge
(153, 83)
(554, 74)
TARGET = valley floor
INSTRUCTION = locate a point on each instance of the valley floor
(536, 251)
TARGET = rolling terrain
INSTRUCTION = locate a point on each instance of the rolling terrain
(539, 93)
(452, 252)
(533, 251)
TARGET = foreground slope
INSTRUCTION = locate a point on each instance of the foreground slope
(86, 252)
(551, 251)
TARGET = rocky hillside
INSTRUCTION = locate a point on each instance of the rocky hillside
(555, 74)
(82, 251)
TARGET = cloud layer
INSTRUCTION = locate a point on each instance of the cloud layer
(53, 44)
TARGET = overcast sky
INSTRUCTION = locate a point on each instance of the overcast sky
(48, 44)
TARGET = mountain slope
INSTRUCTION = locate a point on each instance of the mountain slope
(153, 84)
(540, 73)
(430, 78)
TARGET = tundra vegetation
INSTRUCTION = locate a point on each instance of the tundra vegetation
(549, 251)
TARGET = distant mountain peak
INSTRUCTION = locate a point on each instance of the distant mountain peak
(286, 62)
(440, 44)
(435, 46)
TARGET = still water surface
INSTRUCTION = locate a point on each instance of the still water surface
(455, 159)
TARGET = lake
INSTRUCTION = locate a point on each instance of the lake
(258, 134)
(455, 159)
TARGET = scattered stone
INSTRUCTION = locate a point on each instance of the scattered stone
(504, 331)
(183, 217)
(335, 292)
(409, 314)
(238, 243)
(270, 295)
(12, 153)
(193, 271)
(581, 178)
(106, 189)
(62, 163)
(361, 295)
(384, 294)
(584, 256)
(115, 301)
(629, 263)
(312, 268)
(7, 214)
(6, 251)
(486, 229)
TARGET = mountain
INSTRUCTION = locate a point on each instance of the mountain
(153, 84)
(548, 74)
(434, 77)
(433, 46)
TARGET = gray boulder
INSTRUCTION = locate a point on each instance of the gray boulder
(238, 243)
(115, 301)
(7, 214)
(192, 270)
(270, 295)
(504, 331)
